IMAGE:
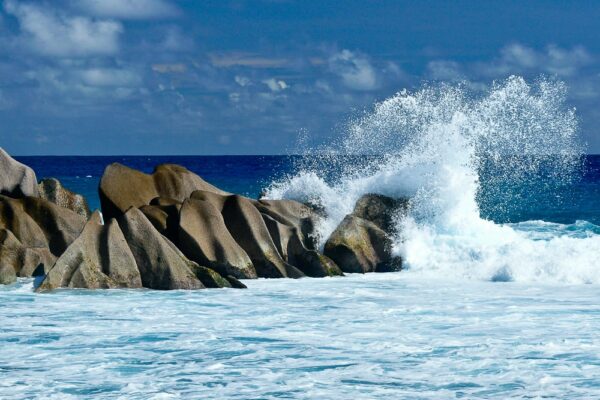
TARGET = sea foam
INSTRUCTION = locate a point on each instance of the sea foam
(432, 146)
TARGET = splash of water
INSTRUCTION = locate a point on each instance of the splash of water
(433, 146)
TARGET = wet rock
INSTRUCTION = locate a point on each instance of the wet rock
(122, 187)
(204, 238)
(235, 283)
(161, 264)
(52, 190)
(358, 245)
(16, 179)
(98, 259)
(210, 278)
(380, 210)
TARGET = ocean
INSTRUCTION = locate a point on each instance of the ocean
(499, 298)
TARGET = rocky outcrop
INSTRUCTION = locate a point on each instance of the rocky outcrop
(161, 265)
(41, 226)
(16, 180)
(380, 210)
(172, 230)
(246, 225)
(98, 259)
(52, 190)
(16, 260)
(122, 187)
(358, 245)
(204, 238)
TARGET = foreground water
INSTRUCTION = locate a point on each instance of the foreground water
(500, 296)
(374, 336)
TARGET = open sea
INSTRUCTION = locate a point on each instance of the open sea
(500, 296)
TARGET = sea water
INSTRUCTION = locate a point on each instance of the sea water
(500, 295)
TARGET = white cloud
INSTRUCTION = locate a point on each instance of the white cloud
(110, 77)
(242, 80)
(129, 9)
(48, 32)
(276, 85)
(355, 70)
(444, 70)
(517, 58)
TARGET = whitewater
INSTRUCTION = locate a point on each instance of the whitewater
(499, 297)
(433, 145)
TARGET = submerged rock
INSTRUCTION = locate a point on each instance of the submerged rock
(161, 265)
(16, 179)
(358, 245)
(122, 187)
(52, 190)
(98, 259)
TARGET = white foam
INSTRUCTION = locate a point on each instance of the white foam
(433, 143)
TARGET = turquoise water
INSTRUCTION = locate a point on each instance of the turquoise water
(368, 337)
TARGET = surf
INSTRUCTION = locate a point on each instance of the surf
(469, 160)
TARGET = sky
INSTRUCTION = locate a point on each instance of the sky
(107, 77)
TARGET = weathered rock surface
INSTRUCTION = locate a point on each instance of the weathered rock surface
(16, 179)
(380, 210)
(246, 225)
(98, 259)
(210, 278)
(122, 187)
(163, 213)
(204, 238)
(161, 265)
(18, 260)
(291, 245)
(40, 225)
(293, 214)
(358, 245)
(52, 190)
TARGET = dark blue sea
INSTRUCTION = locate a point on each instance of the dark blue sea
(538, 198)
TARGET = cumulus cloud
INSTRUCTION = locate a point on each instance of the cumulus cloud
(444, 70)
(49, 32)
(129, 9)
(275, 85)
(354, 69)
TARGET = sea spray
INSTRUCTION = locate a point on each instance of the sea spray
(438, 145)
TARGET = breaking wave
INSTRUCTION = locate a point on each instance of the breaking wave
(469, 161)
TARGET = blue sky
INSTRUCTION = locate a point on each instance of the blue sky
(249, 77)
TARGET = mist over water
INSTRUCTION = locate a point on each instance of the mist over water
(468, 161)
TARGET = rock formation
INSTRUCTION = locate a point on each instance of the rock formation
(16, 180)
(98, 259)
(172, 230)
(122, 187)
(52, 190)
